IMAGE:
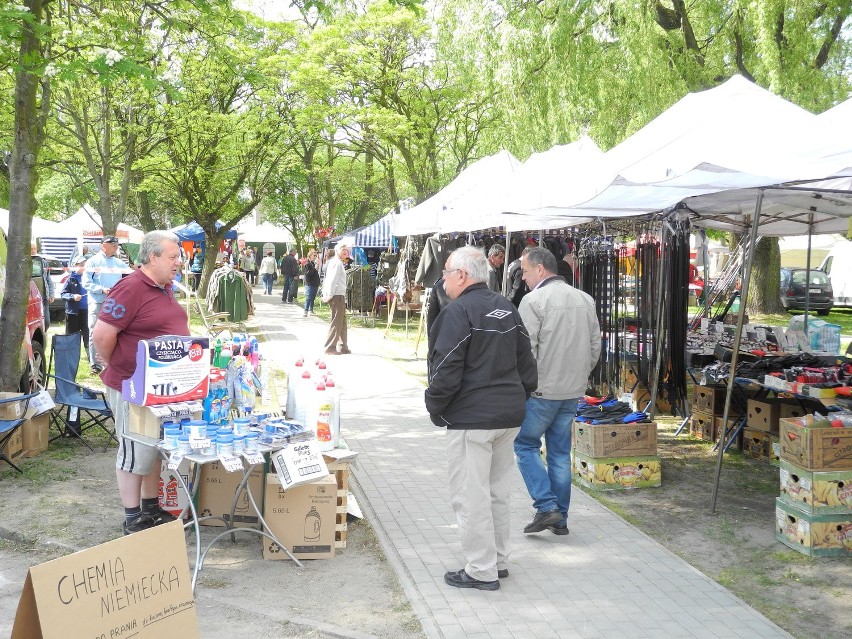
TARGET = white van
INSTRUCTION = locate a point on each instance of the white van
(838, 266)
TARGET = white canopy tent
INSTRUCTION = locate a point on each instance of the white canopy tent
(265, 232)
(86, 223)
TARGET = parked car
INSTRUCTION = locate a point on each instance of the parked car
(58, 273)
(32, 360)
(797, 285)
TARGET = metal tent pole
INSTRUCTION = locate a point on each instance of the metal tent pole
(506, 264)
(808, 270)
(736, 347)
(658, 333)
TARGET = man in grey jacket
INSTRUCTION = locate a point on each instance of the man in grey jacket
(566, 342)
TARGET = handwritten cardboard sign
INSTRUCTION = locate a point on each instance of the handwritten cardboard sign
(137, 586)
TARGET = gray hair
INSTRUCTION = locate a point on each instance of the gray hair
(152, 244)
(496, 249)
(340, 247)
(539, 255)
(471, 260)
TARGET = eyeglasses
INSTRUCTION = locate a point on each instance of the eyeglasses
(448, 271)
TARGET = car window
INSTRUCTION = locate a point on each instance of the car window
(817, 278)
(38, 267)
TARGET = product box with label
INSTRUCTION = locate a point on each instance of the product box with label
(217, 488)
(757, 444)
(299, 463)
(617, 474)
(303, 517)
(814, 492)
(708, 399)
(169, 369)
(35, 435)
(763, 415)
(815, 447)
(149, 420)
(827, 535)
(173, 498)
(615, 440)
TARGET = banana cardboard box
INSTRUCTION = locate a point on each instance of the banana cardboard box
(816, 447)
(615, 440)
(617, 473)
(774, 450)
(816, 493)
(814, 535)
(701, 426)
(757, 444)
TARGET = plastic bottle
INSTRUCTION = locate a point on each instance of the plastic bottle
(293, 376)
(254, 352)
(334, 396)
(320, 418)
(217, 354)
(302, 397)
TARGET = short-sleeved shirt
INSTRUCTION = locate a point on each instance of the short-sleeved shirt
(141, 310)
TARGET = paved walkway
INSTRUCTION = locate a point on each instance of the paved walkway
(604, 579)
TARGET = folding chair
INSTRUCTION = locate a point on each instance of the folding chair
(217, 323)
(78, 408)
(8, 427)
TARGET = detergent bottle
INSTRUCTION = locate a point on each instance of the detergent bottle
(293, 375)
(303, 393)
(320, 419)
(333, 396)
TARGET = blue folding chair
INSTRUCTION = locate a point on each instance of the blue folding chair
(8, 427)
(78, 408)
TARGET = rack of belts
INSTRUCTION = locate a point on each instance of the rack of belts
(723, 290)
(599, 277)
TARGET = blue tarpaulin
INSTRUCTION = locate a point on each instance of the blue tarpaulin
(192, 232)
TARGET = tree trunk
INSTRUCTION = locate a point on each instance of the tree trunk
(765, 285)
(28, 139)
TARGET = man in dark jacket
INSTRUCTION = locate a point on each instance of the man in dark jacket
(76, 302)
(290, 271)
(481, 370)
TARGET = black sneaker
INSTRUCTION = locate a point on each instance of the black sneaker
(160, 516)
(139, 523)
(559, 529)
(542, 520)
(460, 579)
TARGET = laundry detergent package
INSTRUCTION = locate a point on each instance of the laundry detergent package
(169, 368)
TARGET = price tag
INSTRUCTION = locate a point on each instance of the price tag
(198, 444)
(174, 461)
(253, 457)
(231, 464)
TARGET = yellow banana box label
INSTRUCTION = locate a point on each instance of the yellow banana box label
(816, 492)
(617, 473)
(828, 535)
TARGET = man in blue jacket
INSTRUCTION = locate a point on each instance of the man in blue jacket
(481, 370)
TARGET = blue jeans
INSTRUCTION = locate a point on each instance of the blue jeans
(268, 278)
(549, 487)
(310, 296)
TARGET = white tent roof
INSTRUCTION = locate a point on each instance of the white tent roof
(265, 232)
(464, 202)
(86, 222)
(40, 227)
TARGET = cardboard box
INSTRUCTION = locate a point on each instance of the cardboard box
(708, 399)
(148, 420)
(642, 397)
(719, 430)
(701, 426)
(303, 517)
(617, 474)
(757, 444)
(763, 415)
(615, 440)
(11, 410)
(814, 448)
(814, 535)
(216, 494)
(814, 492)
(775, 451)
(13, 448)
(35, 435)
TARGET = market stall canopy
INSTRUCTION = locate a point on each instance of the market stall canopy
(719, 140)
(375, 235)
(86, 223)
(459, 204)
(265, 232)
(40, 226)
(192, 232)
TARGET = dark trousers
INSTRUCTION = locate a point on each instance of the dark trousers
(78, 322)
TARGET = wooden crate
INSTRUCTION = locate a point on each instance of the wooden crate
(341, 471)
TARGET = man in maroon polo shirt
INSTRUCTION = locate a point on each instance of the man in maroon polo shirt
(139, 307)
